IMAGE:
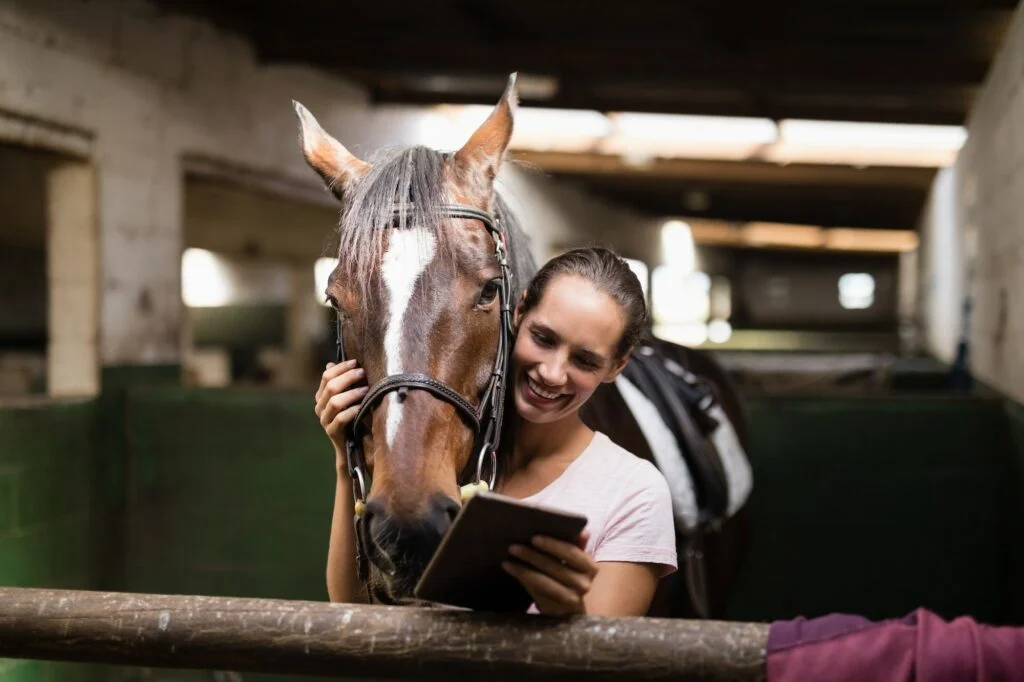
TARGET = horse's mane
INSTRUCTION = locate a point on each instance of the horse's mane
(412, 177)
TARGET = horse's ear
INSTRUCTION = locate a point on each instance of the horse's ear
(338, 167)
(481, 156)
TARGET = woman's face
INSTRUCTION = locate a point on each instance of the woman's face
(565, 349)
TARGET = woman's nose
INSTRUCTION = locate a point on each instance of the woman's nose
(552, 371)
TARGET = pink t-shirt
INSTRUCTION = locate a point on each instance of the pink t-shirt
(625, 499)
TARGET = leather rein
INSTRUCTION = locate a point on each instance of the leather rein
(485, 418)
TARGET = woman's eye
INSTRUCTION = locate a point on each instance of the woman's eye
(489, 293)
(541, 340)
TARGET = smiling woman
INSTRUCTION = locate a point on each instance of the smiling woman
(578, 321)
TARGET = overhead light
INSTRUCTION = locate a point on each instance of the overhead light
(867, 144)
(684, 136)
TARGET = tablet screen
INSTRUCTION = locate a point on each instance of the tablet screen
(466, 568)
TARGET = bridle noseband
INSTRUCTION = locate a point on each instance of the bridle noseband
(485, 418)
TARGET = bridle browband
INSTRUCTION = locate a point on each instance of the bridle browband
(484, 419)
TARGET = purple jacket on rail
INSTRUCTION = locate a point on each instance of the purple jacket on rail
(918, 648)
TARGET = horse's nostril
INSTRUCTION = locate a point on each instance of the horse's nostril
(443, 512)
(451, 508)
(371, 517)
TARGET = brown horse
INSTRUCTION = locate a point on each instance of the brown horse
(430, 260)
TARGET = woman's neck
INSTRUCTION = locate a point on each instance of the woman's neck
(567, 436)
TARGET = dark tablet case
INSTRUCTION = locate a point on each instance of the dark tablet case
(466, 568)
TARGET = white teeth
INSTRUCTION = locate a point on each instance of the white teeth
(541, 392)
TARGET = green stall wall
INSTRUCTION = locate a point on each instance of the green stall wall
(868, 505)
(229, 493)
(51, 524)
(878, 506)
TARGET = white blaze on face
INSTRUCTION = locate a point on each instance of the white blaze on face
(409, 252)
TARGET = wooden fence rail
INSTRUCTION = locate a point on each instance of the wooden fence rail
(356, 641)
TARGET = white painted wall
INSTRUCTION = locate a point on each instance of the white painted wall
(941, 267)
(973, 233)
(136, 90)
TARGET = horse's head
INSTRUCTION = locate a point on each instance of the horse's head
(418, 289)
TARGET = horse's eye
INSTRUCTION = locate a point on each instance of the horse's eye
(488, 293)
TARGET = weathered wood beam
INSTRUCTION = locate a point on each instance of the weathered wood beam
(346, 640)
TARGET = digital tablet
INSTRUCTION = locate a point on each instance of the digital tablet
(466, 568)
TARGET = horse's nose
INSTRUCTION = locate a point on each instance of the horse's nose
(412, 539)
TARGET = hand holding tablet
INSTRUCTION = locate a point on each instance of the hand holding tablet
(466, 569)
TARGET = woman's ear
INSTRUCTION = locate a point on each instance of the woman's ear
(617, 366)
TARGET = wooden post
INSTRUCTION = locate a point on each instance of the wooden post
(347, 640)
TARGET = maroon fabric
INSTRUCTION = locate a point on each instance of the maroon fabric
(918, 648)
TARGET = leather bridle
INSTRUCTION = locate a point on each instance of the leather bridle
(485, 418)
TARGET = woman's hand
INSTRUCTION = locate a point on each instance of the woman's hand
(557, 574)
(337, 403)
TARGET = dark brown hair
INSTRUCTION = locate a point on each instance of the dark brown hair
(608, 273)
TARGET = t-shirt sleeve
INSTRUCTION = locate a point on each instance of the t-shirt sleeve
(641, 528)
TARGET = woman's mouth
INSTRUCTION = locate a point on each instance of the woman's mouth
(536, 394)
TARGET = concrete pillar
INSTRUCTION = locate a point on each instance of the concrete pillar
(73, 361)
(140, 203)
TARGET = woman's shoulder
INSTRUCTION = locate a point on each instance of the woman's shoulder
(625, 465)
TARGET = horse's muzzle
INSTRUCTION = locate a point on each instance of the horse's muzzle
(401, 548)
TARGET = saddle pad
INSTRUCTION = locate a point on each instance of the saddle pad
(738, 474)
(667, 456)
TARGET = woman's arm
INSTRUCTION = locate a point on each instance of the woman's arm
(336, 406)
(343, 584)
(623, 589)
